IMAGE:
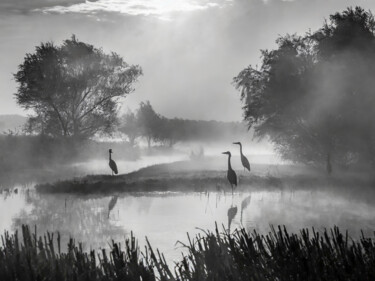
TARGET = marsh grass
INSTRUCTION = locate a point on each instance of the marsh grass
(188, 176)
(239, 255)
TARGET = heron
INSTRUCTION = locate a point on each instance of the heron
(245, 162)
(231, 174)
(112, 163)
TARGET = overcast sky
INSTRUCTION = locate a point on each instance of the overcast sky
(189, 50)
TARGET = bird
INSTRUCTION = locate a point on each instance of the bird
(231, 174)
(112, 163)
(245, 162)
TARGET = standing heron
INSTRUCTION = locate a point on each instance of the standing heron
(245, 162)
(231, 174)
(112, 163)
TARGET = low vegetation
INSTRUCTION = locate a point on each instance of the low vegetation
(209, 176)
(18, 152)
(240, 255)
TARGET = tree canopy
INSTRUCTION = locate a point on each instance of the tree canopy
(74, 89)
(314, 95)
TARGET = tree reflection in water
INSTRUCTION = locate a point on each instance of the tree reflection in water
(84, 218)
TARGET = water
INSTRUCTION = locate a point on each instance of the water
(166, 217)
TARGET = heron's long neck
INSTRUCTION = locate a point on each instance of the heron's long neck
(229, 166)
(110, 157)
(241, 149)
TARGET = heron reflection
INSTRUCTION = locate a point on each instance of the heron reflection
(232, 212)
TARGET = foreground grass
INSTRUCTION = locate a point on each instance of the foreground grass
(278, 255)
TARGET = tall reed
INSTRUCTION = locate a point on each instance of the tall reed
(240, 255)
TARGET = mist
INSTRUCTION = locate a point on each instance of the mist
(222, 119)
(206, 46)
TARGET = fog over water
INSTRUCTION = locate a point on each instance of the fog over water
(189, 52)
(166, 217)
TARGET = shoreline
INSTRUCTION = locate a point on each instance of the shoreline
(200, 176)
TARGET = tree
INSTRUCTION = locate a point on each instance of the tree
(313, 95)
(149, 122)
(74, 89)
(130, 126)
(155, 127)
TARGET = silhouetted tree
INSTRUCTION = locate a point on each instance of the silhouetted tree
(313, 95)
(130, 126)
(149, 122)
(74, 88)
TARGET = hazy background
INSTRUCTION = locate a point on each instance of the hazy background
(189, 50)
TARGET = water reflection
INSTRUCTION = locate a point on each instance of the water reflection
(166, 217)
(245, 202)
(112, 204)
(232, 212)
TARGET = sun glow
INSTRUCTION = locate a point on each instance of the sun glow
(137, 7)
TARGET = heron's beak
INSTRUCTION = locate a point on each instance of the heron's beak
(224, 153)
(236, 143)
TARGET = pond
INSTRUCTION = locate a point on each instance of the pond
(166, 217)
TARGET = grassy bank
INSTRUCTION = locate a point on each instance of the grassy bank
(26, 159)
(279, 255)
(205, 176)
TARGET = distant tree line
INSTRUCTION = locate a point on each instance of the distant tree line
(147, 124)
(314, 96)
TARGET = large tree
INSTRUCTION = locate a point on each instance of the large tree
(74, 89)
(313, 95)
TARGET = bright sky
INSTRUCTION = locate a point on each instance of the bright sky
(189, 50)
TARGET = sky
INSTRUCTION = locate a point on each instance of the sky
(189, 50)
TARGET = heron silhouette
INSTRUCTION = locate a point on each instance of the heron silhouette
(231, 174)
(245, 162)
(112, 163)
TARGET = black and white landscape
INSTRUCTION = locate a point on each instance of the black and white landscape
(187, 140)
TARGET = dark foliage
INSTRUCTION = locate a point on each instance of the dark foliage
(279, 255)
(313, 95)
(73, 88)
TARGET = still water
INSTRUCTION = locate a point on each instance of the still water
(166, 217)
